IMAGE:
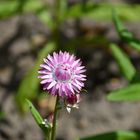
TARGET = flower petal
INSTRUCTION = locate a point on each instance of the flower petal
(53, 83)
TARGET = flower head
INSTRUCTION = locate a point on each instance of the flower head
(62, 74)
(72, 102)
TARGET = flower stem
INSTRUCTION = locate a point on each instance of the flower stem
(54, 119)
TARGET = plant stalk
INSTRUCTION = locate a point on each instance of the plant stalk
(54, 119)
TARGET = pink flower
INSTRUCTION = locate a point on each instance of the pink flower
(62, 74)
(73, 102)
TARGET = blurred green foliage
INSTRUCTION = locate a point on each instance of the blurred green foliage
(10, 8)
(132, 91)
(2, 115)
(89, 10)
(124, 34)
(103, 11)
(118, 135)
(129, 93)
(29, 87)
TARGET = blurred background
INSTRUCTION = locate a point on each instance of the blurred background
(29, 30)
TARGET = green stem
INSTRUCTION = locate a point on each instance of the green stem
(54, 119)
(48, 136)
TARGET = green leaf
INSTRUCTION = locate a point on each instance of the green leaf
(29, 86)
(2, 115)
(63, 7)
(39, 120)
(35, 113)
(118, 24)
(8, 8)
(102, 11)
(45, 17)
(124, 62)
(33, 6)
(129, 93)
(15, 7)
(135, 44)
(118, 135)
(136, 78)
(124, 34)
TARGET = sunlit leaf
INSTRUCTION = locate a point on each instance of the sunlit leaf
(123, 61)
(30, 84)
(118, 135)
(129, 93)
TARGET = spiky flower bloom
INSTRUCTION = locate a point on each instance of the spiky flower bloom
(62, 74)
